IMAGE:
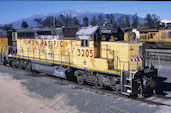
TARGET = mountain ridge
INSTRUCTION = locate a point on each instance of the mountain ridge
(73, 13)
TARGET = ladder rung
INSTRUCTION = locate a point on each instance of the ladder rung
(110, 64)
(127, 86)
(129, 91)
(128, 79)
(125, 93)
(133, 72)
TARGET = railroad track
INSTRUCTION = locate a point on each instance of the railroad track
(108, 92)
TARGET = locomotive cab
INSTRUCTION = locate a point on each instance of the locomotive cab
(122, 60)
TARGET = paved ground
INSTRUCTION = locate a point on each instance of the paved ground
(13, 98)
(20, 92)
(164, 78)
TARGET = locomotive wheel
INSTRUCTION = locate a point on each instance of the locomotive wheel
(113, 88)
(80, 80)
(20, 65)
(10, 63)
(4, 62)
(98, 84)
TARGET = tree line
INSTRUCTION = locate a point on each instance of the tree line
(151, 21)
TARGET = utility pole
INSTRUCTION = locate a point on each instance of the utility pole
(54, 21)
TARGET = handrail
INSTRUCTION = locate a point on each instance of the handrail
(61, 56)
(37, 51)
(117, 59)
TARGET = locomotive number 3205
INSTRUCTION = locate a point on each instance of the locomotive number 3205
(87, 53)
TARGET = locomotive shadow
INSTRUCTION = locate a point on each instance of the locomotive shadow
(161, 86)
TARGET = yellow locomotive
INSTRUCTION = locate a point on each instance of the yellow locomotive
(158, 38)
(96, 55)
(3, 41)
(154, 37)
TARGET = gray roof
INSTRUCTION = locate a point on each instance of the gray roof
(86, 32)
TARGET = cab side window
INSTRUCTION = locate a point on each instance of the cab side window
(164, 35)
(84, 43)
(13, 37)
(151, 35)
(169, 34)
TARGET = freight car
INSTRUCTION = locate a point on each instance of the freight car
(96, 55)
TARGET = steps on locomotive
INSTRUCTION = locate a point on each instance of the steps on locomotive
(126, 83)
(128, 86)
(110, 63)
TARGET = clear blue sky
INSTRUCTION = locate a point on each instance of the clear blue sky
(13, 10)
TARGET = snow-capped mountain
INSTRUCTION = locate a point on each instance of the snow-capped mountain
(74, 13)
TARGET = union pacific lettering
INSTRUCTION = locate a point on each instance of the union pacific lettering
(50, 43)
